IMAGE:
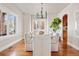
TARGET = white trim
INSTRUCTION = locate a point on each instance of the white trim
(11, 44)
(74, 46)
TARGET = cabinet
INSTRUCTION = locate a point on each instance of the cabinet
(39, 25)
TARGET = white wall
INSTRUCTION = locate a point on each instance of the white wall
(26, 23)
(70, 10)
(19, 14)
(9, 40)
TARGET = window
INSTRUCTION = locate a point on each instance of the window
(3, 29)
(11, 24)
(7, 24)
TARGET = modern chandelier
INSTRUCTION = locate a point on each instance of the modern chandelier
(42, 14)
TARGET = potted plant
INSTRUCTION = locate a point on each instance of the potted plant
(54, 24)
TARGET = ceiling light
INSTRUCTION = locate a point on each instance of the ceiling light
(42, 14)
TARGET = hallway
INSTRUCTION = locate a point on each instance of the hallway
(18, 50)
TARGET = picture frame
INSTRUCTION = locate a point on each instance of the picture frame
(76, 16)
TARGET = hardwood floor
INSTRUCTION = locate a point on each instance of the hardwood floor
(19, 50)
(65, 51)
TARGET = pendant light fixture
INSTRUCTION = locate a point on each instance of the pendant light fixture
(42, 14)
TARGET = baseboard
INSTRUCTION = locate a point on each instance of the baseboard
(11, 44)
(77, 48)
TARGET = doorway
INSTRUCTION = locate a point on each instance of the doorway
(65, 24)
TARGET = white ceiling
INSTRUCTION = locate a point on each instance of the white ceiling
(36, 7)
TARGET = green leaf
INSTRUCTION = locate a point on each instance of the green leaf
(54, 24)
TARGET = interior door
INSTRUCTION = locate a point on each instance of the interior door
(65, 24)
